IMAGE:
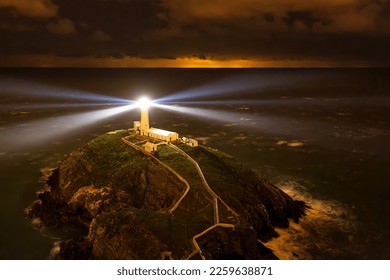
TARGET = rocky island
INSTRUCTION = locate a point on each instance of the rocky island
(179, 202)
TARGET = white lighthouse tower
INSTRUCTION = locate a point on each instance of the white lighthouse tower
(144, 125)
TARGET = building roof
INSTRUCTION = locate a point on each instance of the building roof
(160, 131)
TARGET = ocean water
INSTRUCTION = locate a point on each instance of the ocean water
(322, 135)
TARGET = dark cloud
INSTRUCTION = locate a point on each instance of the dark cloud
(331, 31)
(201, 56)
(100, 36)
(386, 10)
(122, 19)
(305, 17)
(62, 26)
(269, 17)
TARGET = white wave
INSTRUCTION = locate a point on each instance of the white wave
(326, 232)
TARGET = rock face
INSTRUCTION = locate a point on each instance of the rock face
(121, 199)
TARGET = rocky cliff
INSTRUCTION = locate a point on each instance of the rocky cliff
(122, 201)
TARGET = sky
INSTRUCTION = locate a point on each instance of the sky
(194, 33)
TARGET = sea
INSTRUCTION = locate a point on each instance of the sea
(321, 135)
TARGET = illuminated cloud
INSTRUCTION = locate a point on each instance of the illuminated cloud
(336, 13)
(32, 8)
(324, 15)
(42, 60)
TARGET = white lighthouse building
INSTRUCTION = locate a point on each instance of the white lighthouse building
(142, 127)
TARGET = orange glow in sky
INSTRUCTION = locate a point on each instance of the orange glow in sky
(181, 62)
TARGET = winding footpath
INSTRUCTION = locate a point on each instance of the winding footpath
(206, 185)
(215, 202)
(214, 196)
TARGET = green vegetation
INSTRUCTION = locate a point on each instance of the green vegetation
(108, 152)
(186, 169)
(225, 176)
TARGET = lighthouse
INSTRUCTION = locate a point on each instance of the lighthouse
(144, 105)
(155, 136)
(142, 127)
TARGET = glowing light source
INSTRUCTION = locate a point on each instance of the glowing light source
(144, 103)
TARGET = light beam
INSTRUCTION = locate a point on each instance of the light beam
(28, 88)
(241, 84)
(37, 132)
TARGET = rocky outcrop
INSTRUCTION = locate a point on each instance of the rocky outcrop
(120, 198)
(240, 243)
